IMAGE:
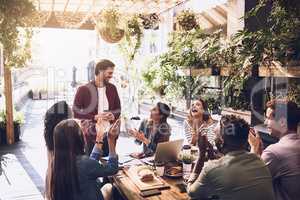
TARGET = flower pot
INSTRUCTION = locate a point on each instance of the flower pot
(2, 133)
(107, 36)
(17, 132)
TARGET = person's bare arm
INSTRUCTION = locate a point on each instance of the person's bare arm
(255, 142)
(202, 145)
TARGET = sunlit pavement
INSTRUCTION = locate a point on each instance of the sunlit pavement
(26, 161)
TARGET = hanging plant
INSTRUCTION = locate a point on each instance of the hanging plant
(133, 26)
(150, 21)
(132, 40)
(187, 20)
(108, 26)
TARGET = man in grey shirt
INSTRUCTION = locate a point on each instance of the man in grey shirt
(282, 158)
(238, 175)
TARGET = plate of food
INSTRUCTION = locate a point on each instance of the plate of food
(174, 172)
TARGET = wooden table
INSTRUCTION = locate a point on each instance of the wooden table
(130, 191)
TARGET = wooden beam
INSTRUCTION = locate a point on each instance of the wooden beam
(279, 71)
(39, 4)
(221, 10)
(52, 5)
(209, 18)
(194, 71)
(9, 106)
(79, 5)
(217, 16)
(66, 5)
(223, 7)
(204, 23)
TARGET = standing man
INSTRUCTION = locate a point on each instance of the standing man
(97, 99)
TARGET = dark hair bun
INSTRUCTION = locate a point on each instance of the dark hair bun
(164, 109)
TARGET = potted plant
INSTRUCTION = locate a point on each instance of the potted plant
(187, 20)
(16, 44)
(43, 93)
(150, 21)
(108, 26)
(131, 43)
(162, 74)
(17, 121)
(133, 26)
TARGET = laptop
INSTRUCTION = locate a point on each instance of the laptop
(165, 152)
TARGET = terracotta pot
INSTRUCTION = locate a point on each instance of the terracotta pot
(106, 35)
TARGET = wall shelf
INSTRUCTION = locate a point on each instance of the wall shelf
(225, 71)
(276, 70)
(195, 72)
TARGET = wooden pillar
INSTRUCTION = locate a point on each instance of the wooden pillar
(9, 106)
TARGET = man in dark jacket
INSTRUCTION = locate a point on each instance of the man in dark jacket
(97, 99)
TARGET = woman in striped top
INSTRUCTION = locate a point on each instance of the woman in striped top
(197, 119)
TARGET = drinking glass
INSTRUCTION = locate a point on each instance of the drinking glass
(186, 169)
(160, 169)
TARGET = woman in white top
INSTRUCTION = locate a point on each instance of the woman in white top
(197, 119)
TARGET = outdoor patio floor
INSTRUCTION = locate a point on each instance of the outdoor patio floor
(26, 161)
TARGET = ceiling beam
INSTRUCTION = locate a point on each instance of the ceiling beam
(209, 18)
(39, 5)
(52, 5)
(215, 15)
(204, 23)
(222, 12)
(222, 8)
(78, 7)
(66, 5)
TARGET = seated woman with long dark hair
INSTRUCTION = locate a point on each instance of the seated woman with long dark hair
(55, 114)
(197, 119)
(153, 130)
(73, 175)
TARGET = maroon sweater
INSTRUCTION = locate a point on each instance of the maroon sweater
(85, 104)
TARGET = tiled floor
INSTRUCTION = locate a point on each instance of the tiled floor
(26, 161)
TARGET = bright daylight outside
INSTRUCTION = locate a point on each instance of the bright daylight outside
(149, 99)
